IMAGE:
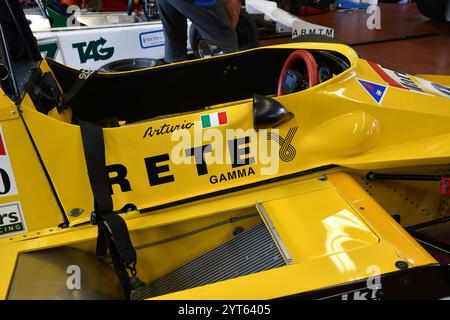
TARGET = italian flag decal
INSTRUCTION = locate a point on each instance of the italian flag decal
(214, 119)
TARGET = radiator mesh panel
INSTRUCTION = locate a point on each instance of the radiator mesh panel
(252, 251)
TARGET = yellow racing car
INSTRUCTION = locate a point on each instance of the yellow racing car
(296, 171)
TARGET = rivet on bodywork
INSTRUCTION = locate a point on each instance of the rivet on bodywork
(238, 230)
(402, 265)
(75, 212)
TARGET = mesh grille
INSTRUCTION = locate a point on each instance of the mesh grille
(250, 252)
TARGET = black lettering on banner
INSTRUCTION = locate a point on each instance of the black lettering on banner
(120, 178)
(199, 156)
(153, 170)
(232, 175)
(13, 218)
(443, 89)
(167, 129)
(237, 153)
(6, 181)
(407, 82)
(287, 151)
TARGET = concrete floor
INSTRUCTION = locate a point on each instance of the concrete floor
(407, 41)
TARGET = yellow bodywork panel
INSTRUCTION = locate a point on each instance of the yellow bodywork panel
(380, 221)
(413, 201)
(336, 122)
(324, 230)
(25, 190)
(332, 228)
(333, 240)
(348, 245)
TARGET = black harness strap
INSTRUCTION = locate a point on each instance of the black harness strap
(112, 229)
(94, 153)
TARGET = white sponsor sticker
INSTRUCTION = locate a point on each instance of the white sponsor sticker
(152, 39)
(303, 28)
(404, 80)
(11, 219)
(8, 185)
(397, 79)
(435, 87)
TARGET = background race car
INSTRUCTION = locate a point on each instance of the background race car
(89, 40)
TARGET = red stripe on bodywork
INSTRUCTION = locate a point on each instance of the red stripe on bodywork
(385, 76)
(368, 86)
(222, 117)
(2, 147)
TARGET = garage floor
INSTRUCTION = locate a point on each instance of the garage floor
(406, 42)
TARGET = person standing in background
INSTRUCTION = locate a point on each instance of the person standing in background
(214, 23)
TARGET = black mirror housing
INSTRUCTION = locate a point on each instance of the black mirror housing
(268, 112)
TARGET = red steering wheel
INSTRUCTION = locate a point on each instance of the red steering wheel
(312, 73)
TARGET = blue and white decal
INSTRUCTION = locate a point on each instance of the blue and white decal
(152, 39)
(375, 90)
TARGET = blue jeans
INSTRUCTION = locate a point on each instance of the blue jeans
(212, 23)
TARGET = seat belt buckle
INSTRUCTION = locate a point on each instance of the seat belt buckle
(445, 186)
(93, 218)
